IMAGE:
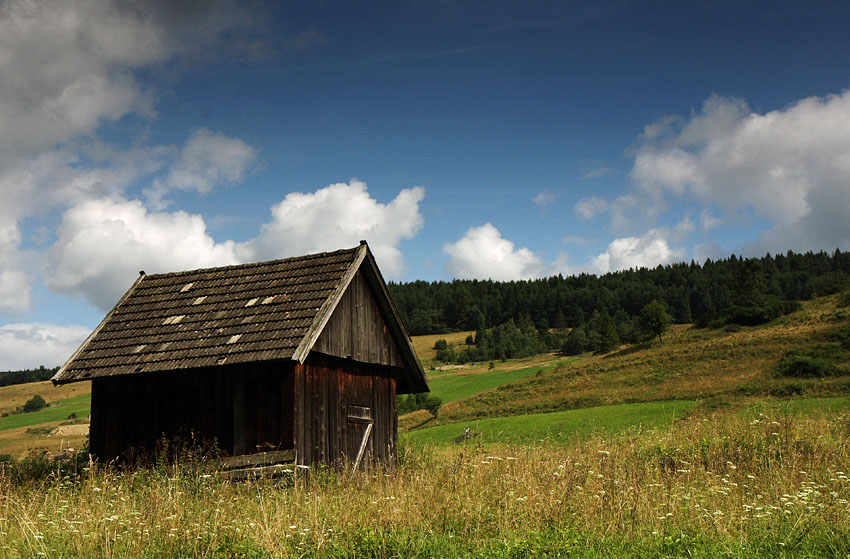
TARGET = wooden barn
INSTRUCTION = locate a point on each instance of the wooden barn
(304, 355)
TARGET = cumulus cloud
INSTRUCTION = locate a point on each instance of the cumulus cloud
(14, 292)
(102, 245)
(29, 345)
(789, 166)
(208, 159)
(646, 251)
(335, 216)
(482, 253)
(66, 68)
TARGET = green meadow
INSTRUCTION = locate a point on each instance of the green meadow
(80, 406)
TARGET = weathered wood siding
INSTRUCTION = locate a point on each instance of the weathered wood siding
(242, 408)
(357, 329)
(334, 399)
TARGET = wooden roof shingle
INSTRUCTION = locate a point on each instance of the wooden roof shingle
(222, 316)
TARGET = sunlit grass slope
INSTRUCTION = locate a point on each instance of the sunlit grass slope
(690, 364)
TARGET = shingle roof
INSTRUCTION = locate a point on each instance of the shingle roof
(215, 316)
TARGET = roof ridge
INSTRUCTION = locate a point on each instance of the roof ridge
(253, 264)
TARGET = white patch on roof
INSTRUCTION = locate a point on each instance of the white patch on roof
(139, 348)
(252, 302)
(233, 339)
(187, 287)
(173, 319)
(199, 300)
(268, 300)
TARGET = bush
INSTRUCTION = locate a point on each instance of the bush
(803, 365)
(35, 403)
(575, 343)
(773, 307)
(441, 345)
(432, 404)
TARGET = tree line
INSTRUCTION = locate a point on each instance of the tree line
(8, 378)
(730, 290)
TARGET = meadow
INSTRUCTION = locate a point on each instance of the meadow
(694, 447)
(743, 483)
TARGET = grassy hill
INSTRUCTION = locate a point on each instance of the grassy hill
(22, 432)
(708, 367)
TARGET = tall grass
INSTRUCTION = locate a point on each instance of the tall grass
(729, 485)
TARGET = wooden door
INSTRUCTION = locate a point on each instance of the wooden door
(358, 435)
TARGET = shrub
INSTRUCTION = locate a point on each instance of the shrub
(441, 345)
(575, 343)
(805, 365)
(432, 404)
(35, 403)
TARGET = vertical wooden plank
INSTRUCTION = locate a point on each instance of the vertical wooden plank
(325, 382)
(239, 419)
(393, 420)
(98, 412)
(300, 443)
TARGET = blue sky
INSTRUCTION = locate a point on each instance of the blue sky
(473, 140)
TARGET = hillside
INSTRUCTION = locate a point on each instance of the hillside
(713, 367)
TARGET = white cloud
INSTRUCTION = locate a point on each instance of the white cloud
(209, 159)
(590, 207)
(544, 199)
(708, 221)
(104, 243)
(66, 68)
(646, 251)
(339, 215)
(29, 345)
(789, 166)
(483, 253)
(14, 292)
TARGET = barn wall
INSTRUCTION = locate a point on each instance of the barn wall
(334, 401)
(241, 408)
(357, 329)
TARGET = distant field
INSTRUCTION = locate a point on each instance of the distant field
(452, 387)
(15, 396)
(57, 411)
(559, 426)
(585, 422)
(424, 345)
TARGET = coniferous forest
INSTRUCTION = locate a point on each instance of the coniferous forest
(605, 311)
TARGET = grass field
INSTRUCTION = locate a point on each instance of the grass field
(59, 410)
(458, 385)
(718, 484)
(558, 426)
(694, 447)
(424, 345)
(15, 396)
